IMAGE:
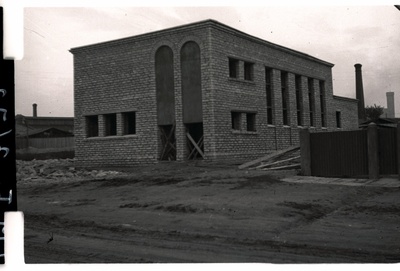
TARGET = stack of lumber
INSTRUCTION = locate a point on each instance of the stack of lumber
(283, 159)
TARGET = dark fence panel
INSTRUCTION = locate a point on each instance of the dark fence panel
(339, 154)
(387, 142)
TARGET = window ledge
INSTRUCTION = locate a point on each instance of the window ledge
(111, 137)
(250, 82)
(241, 132)
(271, 125)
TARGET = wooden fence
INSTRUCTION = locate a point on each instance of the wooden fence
(362, 153)
(45, 143)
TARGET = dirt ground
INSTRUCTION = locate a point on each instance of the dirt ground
(201, 213)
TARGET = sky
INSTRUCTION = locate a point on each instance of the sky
(342, 35)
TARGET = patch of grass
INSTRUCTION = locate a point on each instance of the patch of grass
(181, 208)
(137, 205)
(257, 182)
(178, 208)
(145, 181)
(310, 211)
(392, 209)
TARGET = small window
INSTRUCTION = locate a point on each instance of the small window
(236, 118)
(248, 71)
(92, 126)
(129, 123)
(233, 68)
(338, 119)
(110, 124)
(251, 122)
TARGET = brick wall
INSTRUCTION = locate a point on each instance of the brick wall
(241, 95)
(119, 76)
(348, 109)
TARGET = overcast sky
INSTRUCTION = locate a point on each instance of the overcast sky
(341, 35)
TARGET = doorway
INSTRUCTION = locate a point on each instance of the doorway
(194, 141)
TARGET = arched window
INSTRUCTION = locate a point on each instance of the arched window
(164, 71)
(191, 83)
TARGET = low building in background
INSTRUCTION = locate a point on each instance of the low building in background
(40, 134)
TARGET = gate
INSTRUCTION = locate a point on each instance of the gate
(361, 153)
(387, 145)
(339, 154)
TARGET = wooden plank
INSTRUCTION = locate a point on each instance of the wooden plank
(166, 140)
(277, 162)
(163, 137)
(283, 167)
(200, 143)
(195, 145)
(269, 156)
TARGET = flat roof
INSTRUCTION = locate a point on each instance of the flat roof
(200, 24)
(345, 98)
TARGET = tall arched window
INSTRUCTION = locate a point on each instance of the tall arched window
(191, 83)
(164, 67)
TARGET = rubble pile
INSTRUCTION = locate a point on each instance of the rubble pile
(57, 170)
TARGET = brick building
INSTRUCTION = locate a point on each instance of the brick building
(198, 90)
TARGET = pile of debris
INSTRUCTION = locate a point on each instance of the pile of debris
(56, 169)
(285, 159)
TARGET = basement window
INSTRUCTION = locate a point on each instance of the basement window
(110, 124)
(92, 126)
(251, 122)
(233, 68)
(236, 118)
(129, 123)
(248, 71)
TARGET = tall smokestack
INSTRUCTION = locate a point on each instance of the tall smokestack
(390, 104)
(34, 110)
(360, 93)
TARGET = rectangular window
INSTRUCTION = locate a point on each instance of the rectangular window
(236, 118)
(338, 119)
(322, 102)
(92, 126)
(248, 71)
(299, 103)
(284, 89)
(268, 89)
(110, 124)
(251, 122)
(311, 100)
(129, 123)
(233, 68)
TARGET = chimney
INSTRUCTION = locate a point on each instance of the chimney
(360, 93)
(34, 110)
(390, 104)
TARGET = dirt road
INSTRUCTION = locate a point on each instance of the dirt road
(194, 212)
